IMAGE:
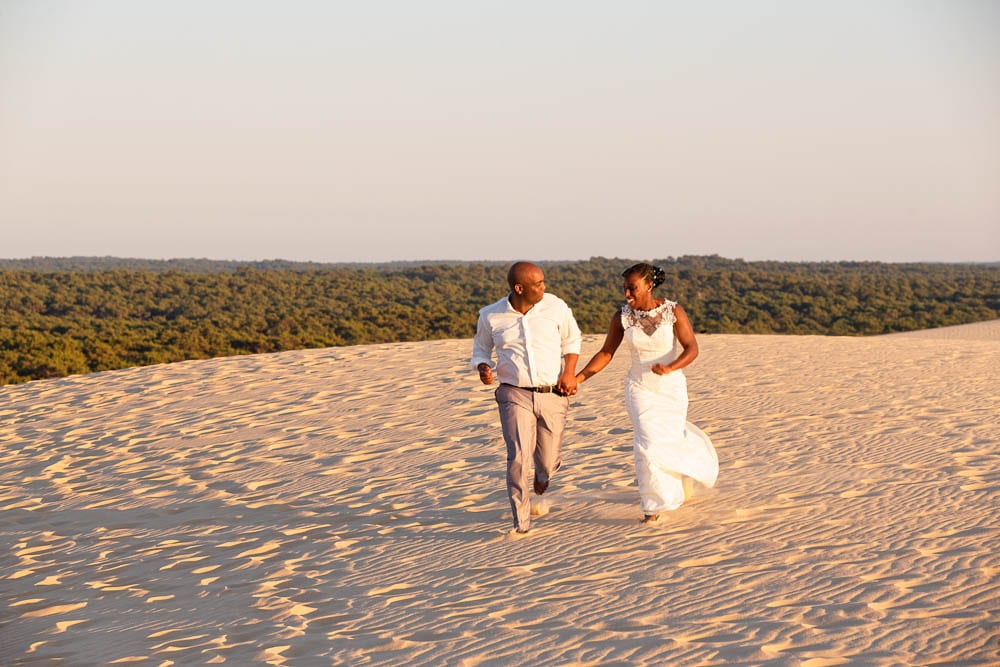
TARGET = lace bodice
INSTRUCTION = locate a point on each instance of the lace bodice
(649, 320)
(649, 338)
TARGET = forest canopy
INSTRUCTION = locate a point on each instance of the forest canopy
(79, 315)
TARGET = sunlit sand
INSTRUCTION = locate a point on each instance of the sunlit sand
(347, 506)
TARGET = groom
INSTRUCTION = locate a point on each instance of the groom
(537, 345)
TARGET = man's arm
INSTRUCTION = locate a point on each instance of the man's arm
(482, 350)
(571, 342)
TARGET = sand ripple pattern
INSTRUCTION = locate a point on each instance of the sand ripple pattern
(346, 506)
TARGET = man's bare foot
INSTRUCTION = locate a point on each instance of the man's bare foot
(650, 518)
(539, 486)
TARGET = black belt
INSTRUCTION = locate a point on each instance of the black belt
(544, 389)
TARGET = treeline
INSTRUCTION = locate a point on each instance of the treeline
(188, 265)
(100, 316)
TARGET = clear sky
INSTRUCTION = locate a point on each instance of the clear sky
(375, 130)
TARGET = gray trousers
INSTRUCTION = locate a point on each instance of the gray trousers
(532, 426)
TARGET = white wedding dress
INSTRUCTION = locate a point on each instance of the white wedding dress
(668, 448)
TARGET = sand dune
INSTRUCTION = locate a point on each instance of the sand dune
(346, 506)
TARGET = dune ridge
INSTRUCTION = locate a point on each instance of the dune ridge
(346, 505)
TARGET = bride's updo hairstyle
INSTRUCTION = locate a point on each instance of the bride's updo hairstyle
(653, 274)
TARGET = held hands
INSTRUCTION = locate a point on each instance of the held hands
(661, 369)
(567, 384)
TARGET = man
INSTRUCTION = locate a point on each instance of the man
(537, 344)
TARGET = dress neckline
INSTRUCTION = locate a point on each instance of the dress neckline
(651, 311)
(649, 321)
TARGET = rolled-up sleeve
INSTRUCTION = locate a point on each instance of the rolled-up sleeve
(571, 336)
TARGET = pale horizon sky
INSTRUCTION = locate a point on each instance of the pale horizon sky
(793, 130)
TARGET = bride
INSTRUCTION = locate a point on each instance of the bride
(668, 448)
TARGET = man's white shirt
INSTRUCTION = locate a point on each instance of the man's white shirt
(529, 347)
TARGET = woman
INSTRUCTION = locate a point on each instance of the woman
(667, 447)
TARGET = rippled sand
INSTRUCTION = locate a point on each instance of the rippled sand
(347, 506)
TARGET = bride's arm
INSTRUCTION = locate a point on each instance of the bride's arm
(607, 351)
(685, 336)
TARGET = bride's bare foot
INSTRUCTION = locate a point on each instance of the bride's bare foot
(650, 518)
